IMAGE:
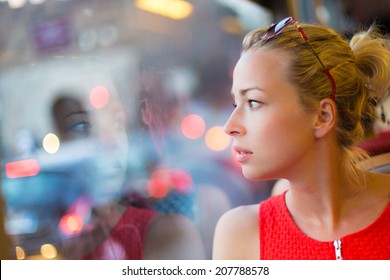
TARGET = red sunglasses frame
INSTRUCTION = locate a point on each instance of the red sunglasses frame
(276, 28)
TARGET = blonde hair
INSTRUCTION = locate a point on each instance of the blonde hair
(360, 69)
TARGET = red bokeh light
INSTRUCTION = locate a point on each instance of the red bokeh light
(22, 168)
(157, 188)
(71, 224)
(99, 97)
(181, 180)
(193, 126)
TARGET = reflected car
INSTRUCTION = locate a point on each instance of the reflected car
(49, 198)
(35, 206)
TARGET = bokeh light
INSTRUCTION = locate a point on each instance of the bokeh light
(193, 126)
(48, 251)
(216, 139)
(157, 188)
(181, 180)
(99, 97)
(175, 9)
(20, 254)
(71, 224)
(159, 184)
(51, 143)
(22, 168)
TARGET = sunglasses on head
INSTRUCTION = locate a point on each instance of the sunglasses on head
(276, 28)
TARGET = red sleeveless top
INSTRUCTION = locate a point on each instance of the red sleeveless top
(281, 239)
(127, 239)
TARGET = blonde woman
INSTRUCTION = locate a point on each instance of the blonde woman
(303, 97)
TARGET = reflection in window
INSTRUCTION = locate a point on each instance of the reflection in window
(71, 119)
(124, 102)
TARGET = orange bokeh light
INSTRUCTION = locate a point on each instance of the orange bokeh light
(216, 139)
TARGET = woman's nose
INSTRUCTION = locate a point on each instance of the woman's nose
(233, 126)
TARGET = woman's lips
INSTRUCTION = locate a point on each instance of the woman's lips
(242, 154)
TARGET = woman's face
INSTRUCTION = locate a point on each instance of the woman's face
(273, 135)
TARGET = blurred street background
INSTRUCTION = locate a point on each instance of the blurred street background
(103, 100)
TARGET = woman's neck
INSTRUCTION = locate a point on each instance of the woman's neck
(323, 198)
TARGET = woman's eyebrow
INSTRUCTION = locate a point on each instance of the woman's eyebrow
(243, 92)
(76, 113)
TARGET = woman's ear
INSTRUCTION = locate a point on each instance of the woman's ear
(325, 119)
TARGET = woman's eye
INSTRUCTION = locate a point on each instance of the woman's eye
(80, 129)
(254, 104)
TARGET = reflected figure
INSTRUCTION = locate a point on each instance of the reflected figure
(199, 191)
(127, 232)
(119, 222)
(171, 160)
(71, 119)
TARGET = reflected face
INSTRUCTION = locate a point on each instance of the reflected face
(71, 119)
(97, 135)
(272, 132)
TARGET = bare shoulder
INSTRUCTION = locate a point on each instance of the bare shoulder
(237, 235)
(173, 236)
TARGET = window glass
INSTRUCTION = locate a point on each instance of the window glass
(112, 114)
